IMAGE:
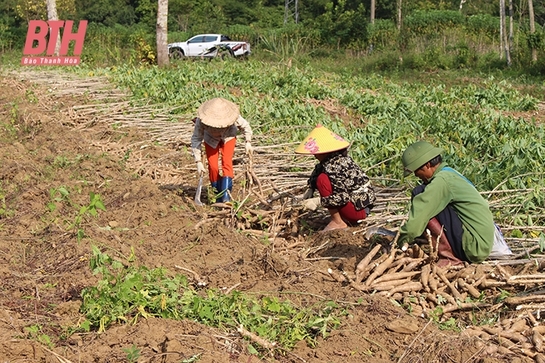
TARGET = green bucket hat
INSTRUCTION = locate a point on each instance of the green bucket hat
(418, 154)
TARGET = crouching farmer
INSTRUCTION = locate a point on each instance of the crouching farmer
(449, 206)
(344, 188)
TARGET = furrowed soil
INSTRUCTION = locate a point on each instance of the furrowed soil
(44, 265)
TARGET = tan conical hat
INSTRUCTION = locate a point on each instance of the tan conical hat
(218, 112)
(321, 141)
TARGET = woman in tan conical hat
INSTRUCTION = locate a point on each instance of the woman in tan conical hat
(217, 123)
(344, 188)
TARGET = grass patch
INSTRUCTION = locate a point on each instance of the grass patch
(126, 293)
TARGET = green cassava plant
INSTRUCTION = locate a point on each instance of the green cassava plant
(127, 293)
(74, 222)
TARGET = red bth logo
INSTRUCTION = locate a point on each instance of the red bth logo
(37, 42)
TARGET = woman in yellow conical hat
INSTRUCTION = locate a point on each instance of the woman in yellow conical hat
(344, 188)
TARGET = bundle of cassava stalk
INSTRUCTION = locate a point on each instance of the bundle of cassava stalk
(414, 280)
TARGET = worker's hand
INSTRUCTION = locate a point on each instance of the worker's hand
(196, 154)
(311, 204)
(200, 168)
(308, 194)
(249, 148)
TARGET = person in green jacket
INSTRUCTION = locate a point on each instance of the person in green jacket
(449, 206)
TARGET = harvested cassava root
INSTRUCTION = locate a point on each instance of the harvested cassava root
(412, 277)
(255, 338)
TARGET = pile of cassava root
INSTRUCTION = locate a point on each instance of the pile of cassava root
(474, 294)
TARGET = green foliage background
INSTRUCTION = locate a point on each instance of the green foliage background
(434, 34)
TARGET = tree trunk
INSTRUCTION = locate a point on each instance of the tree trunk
(502, 22)
(532, 28)
(162, 33)
(510, 39)
(462, 2)
(52, 15)
(399, 12)
(504, 44)
(372, 20)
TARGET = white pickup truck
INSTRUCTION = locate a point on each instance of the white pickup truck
(209, 46)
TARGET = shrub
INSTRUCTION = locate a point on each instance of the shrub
(484, 24)
(386, 61)
(383, 34)
(414, 61)
(432, 22)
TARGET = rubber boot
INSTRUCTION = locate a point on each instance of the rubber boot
(215, 189)
(226, 186)
(444, 250)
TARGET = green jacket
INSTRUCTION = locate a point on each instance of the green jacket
(450, 187)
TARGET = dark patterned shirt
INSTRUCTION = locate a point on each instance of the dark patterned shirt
(348, 180)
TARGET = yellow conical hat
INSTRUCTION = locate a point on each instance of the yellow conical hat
(321, 141)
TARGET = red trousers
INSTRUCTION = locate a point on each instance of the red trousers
(348, 212)
(226, 150)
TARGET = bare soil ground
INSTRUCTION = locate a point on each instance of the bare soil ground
(44, 267)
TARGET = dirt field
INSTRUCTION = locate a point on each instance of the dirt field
(44, 266)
